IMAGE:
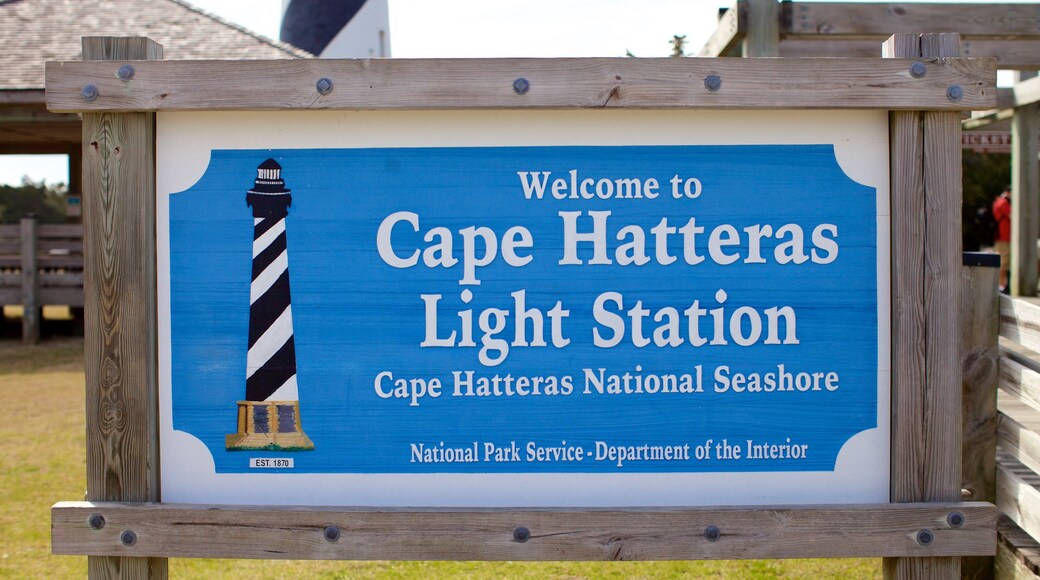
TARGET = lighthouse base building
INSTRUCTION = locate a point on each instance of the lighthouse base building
(269, 426)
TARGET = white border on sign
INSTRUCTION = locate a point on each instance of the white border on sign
(183, 145)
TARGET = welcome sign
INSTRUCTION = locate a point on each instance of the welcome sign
(534, 320)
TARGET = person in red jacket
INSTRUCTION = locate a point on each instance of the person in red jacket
(1002, 242)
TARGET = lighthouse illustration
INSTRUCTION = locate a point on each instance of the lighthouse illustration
(269, 417)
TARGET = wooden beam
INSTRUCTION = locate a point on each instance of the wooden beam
(943, 257)
(763, 35)
(980, 321)
(729, 33)
(1018, 494)
(1026, 92)
(120, 305)
(849, 19)
(554, 83)
(926, 254)
(174, 530)
(55, 148)
(1018, 431)
(60, 230)
(991, 117)
(1020, 322)
(1018, 554)
(22, 96)
(1025, 195)
(1021, 54)
(33, 113)
(1020, 382)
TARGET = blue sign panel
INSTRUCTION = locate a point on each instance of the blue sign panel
(553, 309)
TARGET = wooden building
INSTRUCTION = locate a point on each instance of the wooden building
(44, 265)
(33, 32)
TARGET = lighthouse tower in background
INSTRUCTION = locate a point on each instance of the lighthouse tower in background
(269, 417)
(341, 29)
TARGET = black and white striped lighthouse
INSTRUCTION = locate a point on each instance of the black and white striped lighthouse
(269, 417)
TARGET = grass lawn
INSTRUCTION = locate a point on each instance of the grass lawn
(43, 461)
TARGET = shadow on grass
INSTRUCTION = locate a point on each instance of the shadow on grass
(52, 354)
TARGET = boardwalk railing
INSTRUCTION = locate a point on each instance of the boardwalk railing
(40, 264)
(1018, 438)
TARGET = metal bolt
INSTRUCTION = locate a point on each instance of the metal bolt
(331, 533)
(126, 72)
(521, 534)
(925, 537)
(712, 83)
(955, 519)
(712, 533)
(918, 70)
(520, 86)
(89, 92)
(96, 521)
(954, 93)
(324, 85)
(128, 538)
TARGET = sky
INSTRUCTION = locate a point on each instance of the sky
(489, 28)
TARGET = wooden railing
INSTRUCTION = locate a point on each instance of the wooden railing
(1018, 438)
(40, 264)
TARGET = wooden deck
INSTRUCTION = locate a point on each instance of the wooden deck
(40, 264)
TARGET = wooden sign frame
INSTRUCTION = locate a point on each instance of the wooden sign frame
(127, 530)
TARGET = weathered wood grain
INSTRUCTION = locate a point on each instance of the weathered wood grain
(663, 83)
(942, 178)
(173, 530)
(942, 181)
(980, 320)
(729, 32)
(763, 29)
(1022, 54)
(926, 253)
(848, 19)
(908, 318)
(120, 307)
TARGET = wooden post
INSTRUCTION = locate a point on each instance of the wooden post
(980, 325)
(75, 171)
(120, 309)
(76, 187)
(30, 283)
(926, 264)
(763, 37)
(1025, 196)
